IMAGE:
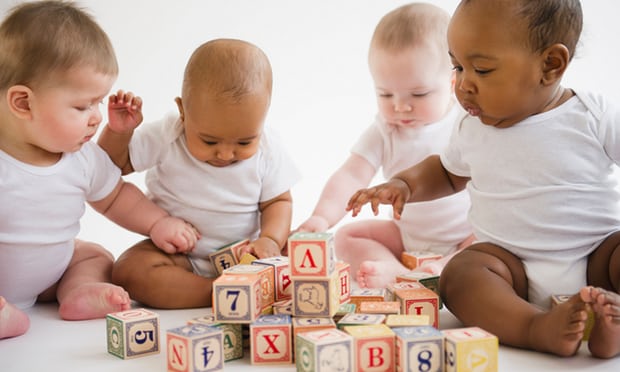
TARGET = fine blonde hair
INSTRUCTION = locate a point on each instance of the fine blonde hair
(413, 25)
(228, 69)
(45, 37)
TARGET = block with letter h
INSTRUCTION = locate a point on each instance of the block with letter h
(195, 348)
(132, 333)
(312, 254)
(419, 348)
(270, 340)
(470, 349)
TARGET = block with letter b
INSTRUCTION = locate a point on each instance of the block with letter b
(312, 254)
(132, 333)
(195, 348)
(470, 349)
(419, 348)
(374, 345)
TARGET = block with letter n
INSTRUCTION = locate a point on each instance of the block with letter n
(312, 254)
(195, 348)
(132, 333)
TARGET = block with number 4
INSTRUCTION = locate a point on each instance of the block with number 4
(195, 348)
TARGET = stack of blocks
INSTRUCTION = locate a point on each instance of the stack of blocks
(287, 307)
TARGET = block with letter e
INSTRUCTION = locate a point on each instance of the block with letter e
(312, 254)
(132, 333)
(470, 349)
(195, 348)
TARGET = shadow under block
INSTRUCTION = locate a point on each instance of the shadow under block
(419, 348)
(324, 350)
(470, 349)
(195, 348)
(132, 333)
(271, 340)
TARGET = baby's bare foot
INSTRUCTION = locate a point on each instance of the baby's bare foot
(605, 335)
(560, 330)
(13, 321)
(93, 301)
(376, 274)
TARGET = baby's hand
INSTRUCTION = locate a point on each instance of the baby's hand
(173, 235)
(395, 192)
(124, 112)
(313, 224)
(262, 248)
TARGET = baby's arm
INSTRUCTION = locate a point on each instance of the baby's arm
(354, 174)
(124, 115)
(130, 208)
(275, 225)
(427, 180)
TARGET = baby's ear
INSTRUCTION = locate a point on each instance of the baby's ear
(179, 103)
(18, 99)
(555, 61)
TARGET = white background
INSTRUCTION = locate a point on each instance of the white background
(323, 95)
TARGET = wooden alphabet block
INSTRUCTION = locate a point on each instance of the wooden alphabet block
(231, 335)
(470, 349)
(324, 350)
(558, 299)
(271, 340)
(303, 324)
(266, 276)
(344, 281)
(375, 347)
(428, 280)
(316, 296)
(132, 333)
(376, 307)
(407, 320)
(284, 307)
(282, 275)
(413, 259)
(237, 298)
(343, 310)
(389, 290)
(195, 348)
(419, 301)
(312, 254)
(419, 349)
(227, 256)
(352, 319)
(360, 295)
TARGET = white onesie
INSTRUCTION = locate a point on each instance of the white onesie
(221, 202)
(437, 225)
(40, 210)
(544, 188)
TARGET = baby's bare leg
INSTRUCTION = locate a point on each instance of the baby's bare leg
(373, 250)
(160, 280)
(602, 295)
(485, 280)
(85, 291)
(13, 321)
(604, 339)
